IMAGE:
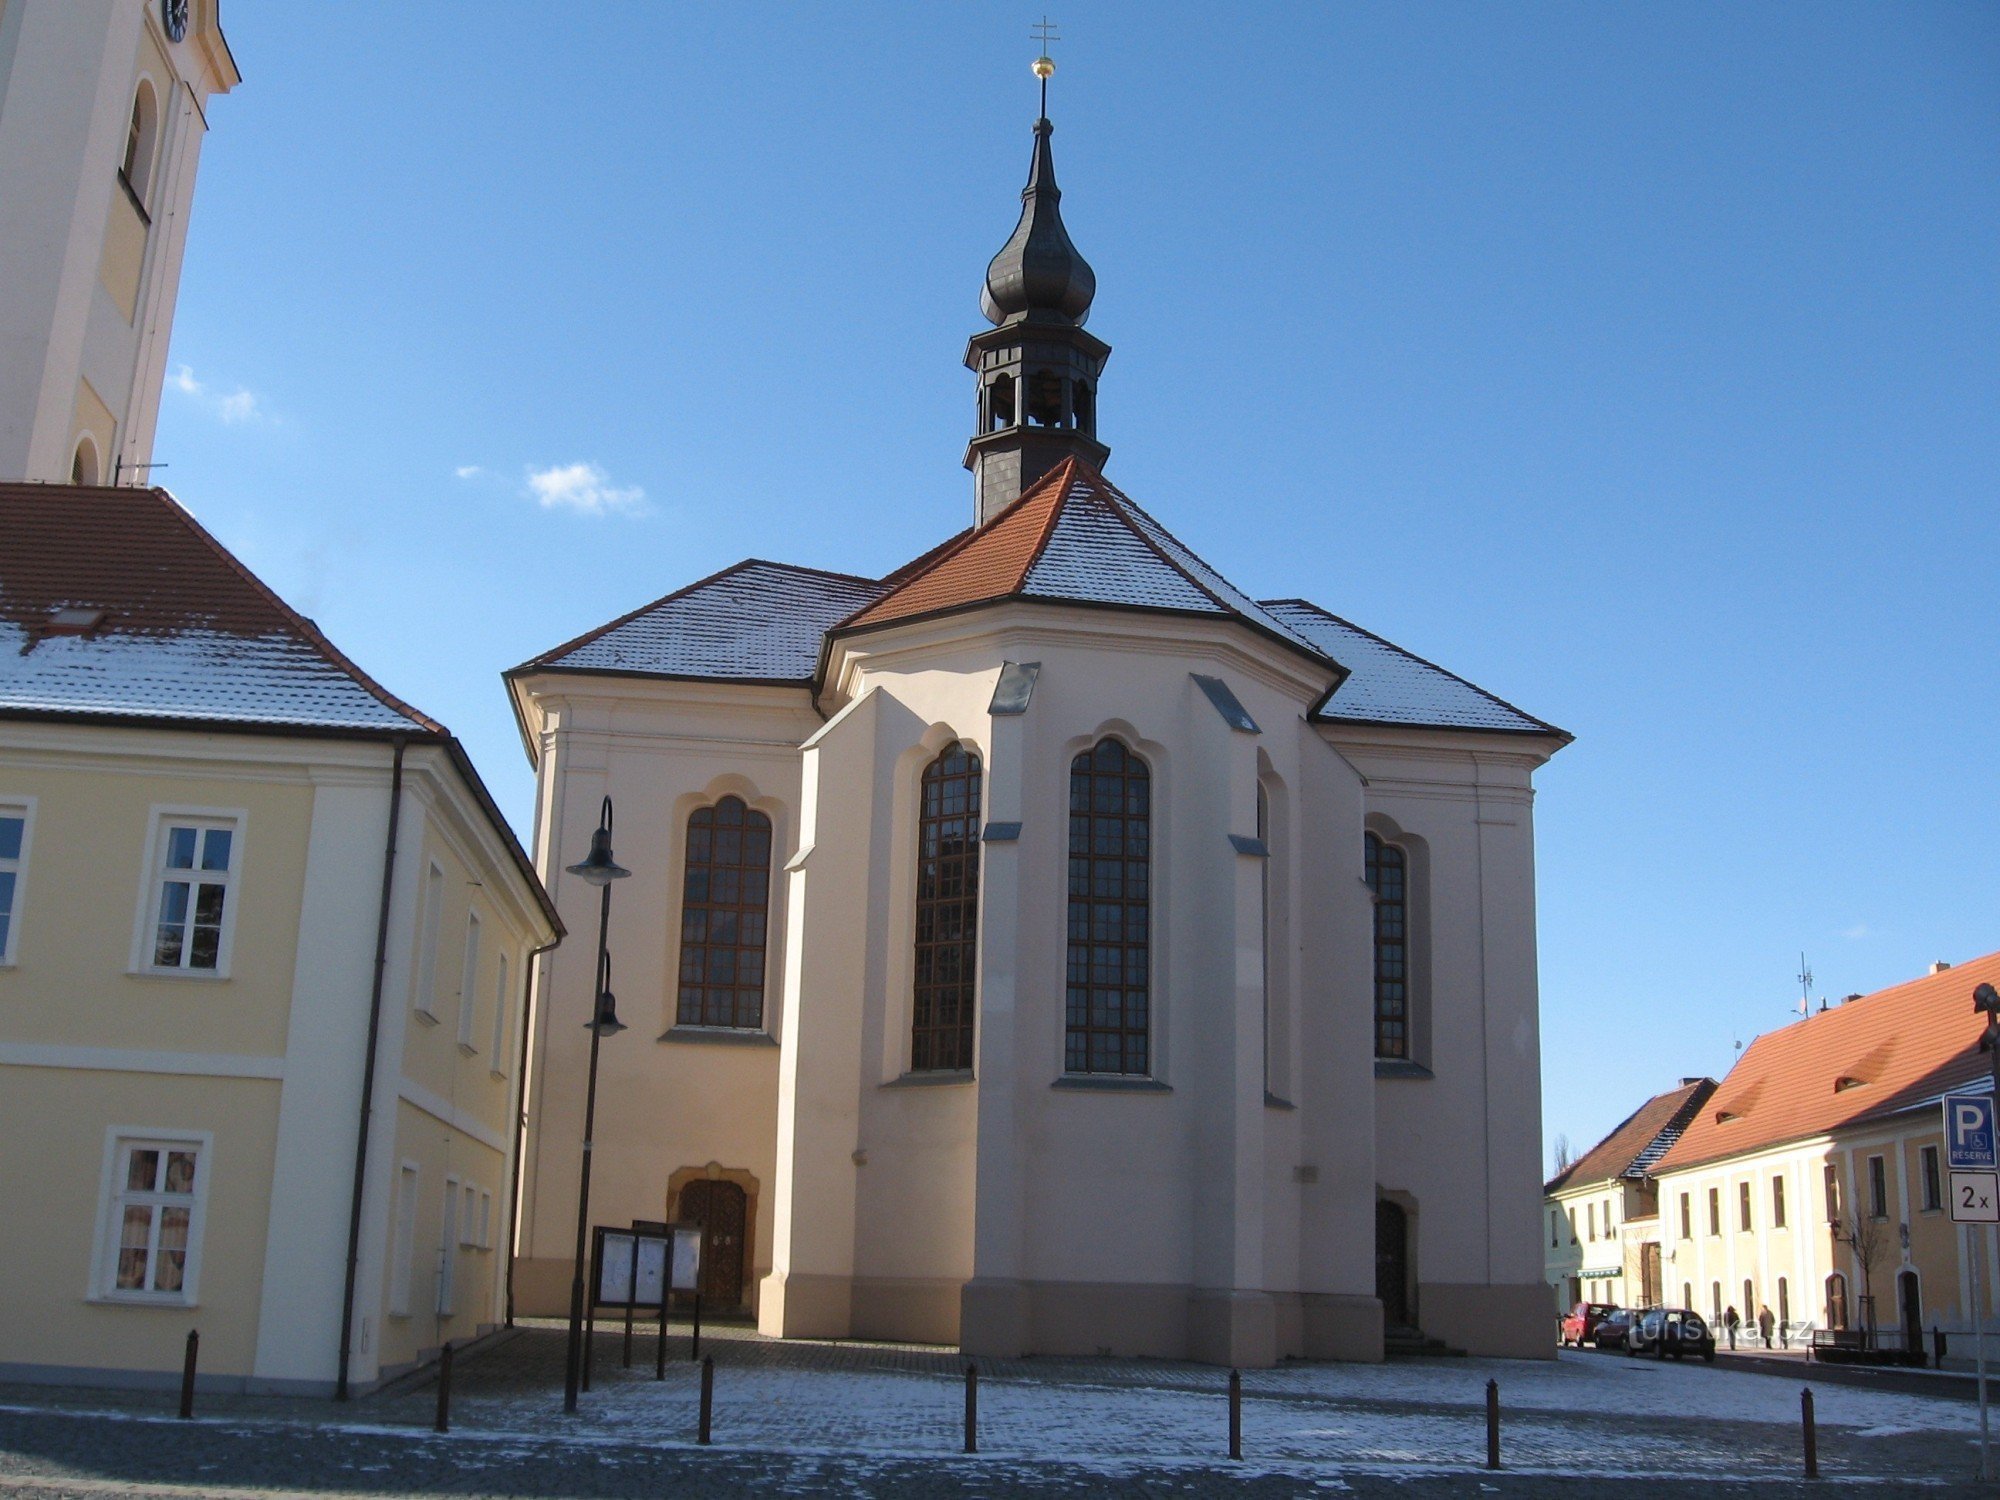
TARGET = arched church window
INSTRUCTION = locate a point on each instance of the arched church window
(725, 901)
(1000, 403)
(140, 136)
(1045, 399)
(83, 467)
(947, 912)
(1387, 870)
(1107, 1020)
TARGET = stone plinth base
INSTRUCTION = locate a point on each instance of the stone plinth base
(1511, 1322)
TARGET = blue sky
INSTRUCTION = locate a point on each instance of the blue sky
(1641, 364)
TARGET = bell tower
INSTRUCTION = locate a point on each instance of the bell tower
(1037, 368)
(103, 107)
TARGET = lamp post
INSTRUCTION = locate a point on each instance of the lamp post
(599, 869)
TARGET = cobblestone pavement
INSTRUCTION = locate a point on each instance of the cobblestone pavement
(867, 1419)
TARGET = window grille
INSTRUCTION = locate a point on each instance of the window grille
(947, 913)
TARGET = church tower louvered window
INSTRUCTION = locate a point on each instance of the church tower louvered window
(1110, 897)
(947, 913)
(725, 903)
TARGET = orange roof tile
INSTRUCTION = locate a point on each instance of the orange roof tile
(1625, 1152)
(1876, 1056)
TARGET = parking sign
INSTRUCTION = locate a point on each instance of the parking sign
(1968, 1133)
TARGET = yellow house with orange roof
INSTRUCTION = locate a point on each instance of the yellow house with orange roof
(1813, 1182)
(264, 949)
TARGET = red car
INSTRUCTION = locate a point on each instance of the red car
(1579, 1326)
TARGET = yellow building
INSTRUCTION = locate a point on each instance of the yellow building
(264, 945)
(1812, 1183)
(1603, 1209)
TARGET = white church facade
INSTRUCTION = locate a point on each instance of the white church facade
(1048, 947)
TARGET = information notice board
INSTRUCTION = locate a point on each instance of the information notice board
(638, 1267)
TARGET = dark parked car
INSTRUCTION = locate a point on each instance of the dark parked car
(1612, 1331)
(1581, 1321)
(1671, 1330)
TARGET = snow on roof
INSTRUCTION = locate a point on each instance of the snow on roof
(755, 622)
(115, 602)
(1388, 685)
(1074, 537)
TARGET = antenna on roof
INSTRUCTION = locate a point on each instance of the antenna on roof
(1805, 986)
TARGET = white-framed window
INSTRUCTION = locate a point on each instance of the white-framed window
(499, 1058)
(187, 919)
(427, 945)
(447, 1282)
(468, 983)
(156, 1183)
(468, 1221)
(403, 1265)
(485, 1220)
(16, 826)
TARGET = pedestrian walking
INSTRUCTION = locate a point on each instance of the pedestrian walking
(1732, 1320)
(1764, 1323)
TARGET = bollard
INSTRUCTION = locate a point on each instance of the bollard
(1812, 1433)
(1937, 1347)
(971, 1407)
(1492, 1424)
(1235, 1413)
(707, 1398)
(443, 1423)
(187, 1375)
(660, 1353)
(694, 1341)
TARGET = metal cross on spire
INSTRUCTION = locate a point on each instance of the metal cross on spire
(1045, 33)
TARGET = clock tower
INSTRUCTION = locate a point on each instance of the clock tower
(103, 106)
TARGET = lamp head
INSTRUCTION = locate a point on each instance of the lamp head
(1986, 998)
(605, 1022)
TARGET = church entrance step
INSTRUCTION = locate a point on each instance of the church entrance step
(1401, 1341)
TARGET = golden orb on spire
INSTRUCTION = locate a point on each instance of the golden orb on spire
(1044, 66)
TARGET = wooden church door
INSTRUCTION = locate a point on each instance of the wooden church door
(1392, 1262)
(718, 1208)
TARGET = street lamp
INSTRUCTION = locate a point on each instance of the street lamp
(599, 869)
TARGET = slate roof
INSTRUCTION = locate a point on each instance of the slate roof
(1645, 1135)
(1388, 685)
(755, 622)
(1074, 537)
(1895, 1050)
(186, 631)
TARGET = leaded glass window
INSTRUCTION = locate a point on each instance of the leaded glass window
(1107, 1020)
(947, 912)
(1387, 874)
(725, 901)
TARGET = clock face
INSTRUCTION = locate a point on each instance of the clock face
(175, 14)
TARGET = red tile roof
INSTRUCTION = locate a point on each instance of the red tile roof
(1628, 1150)
(178, 628)
(1870, 1058)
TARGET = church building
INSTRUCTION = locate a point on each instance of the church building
(1047, 947)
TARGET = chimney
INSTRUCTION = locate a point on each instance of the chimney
(1938, 965)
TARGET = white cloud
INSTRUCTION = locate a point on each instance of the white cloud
(584, 488)
(468, 471)
(1858, 930)
(232, 407)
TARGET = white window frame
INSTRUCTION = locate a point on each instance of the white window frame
(468, 1223)
(430, 922)
(153, 879)
(498, 1062)
(24, 809)
(119, 1142)
(468, 986)
(447, 1276)
(403, 1251)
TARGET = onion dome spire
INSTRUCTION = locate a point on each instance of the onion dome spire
(1039, 273)
(1037, 367)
